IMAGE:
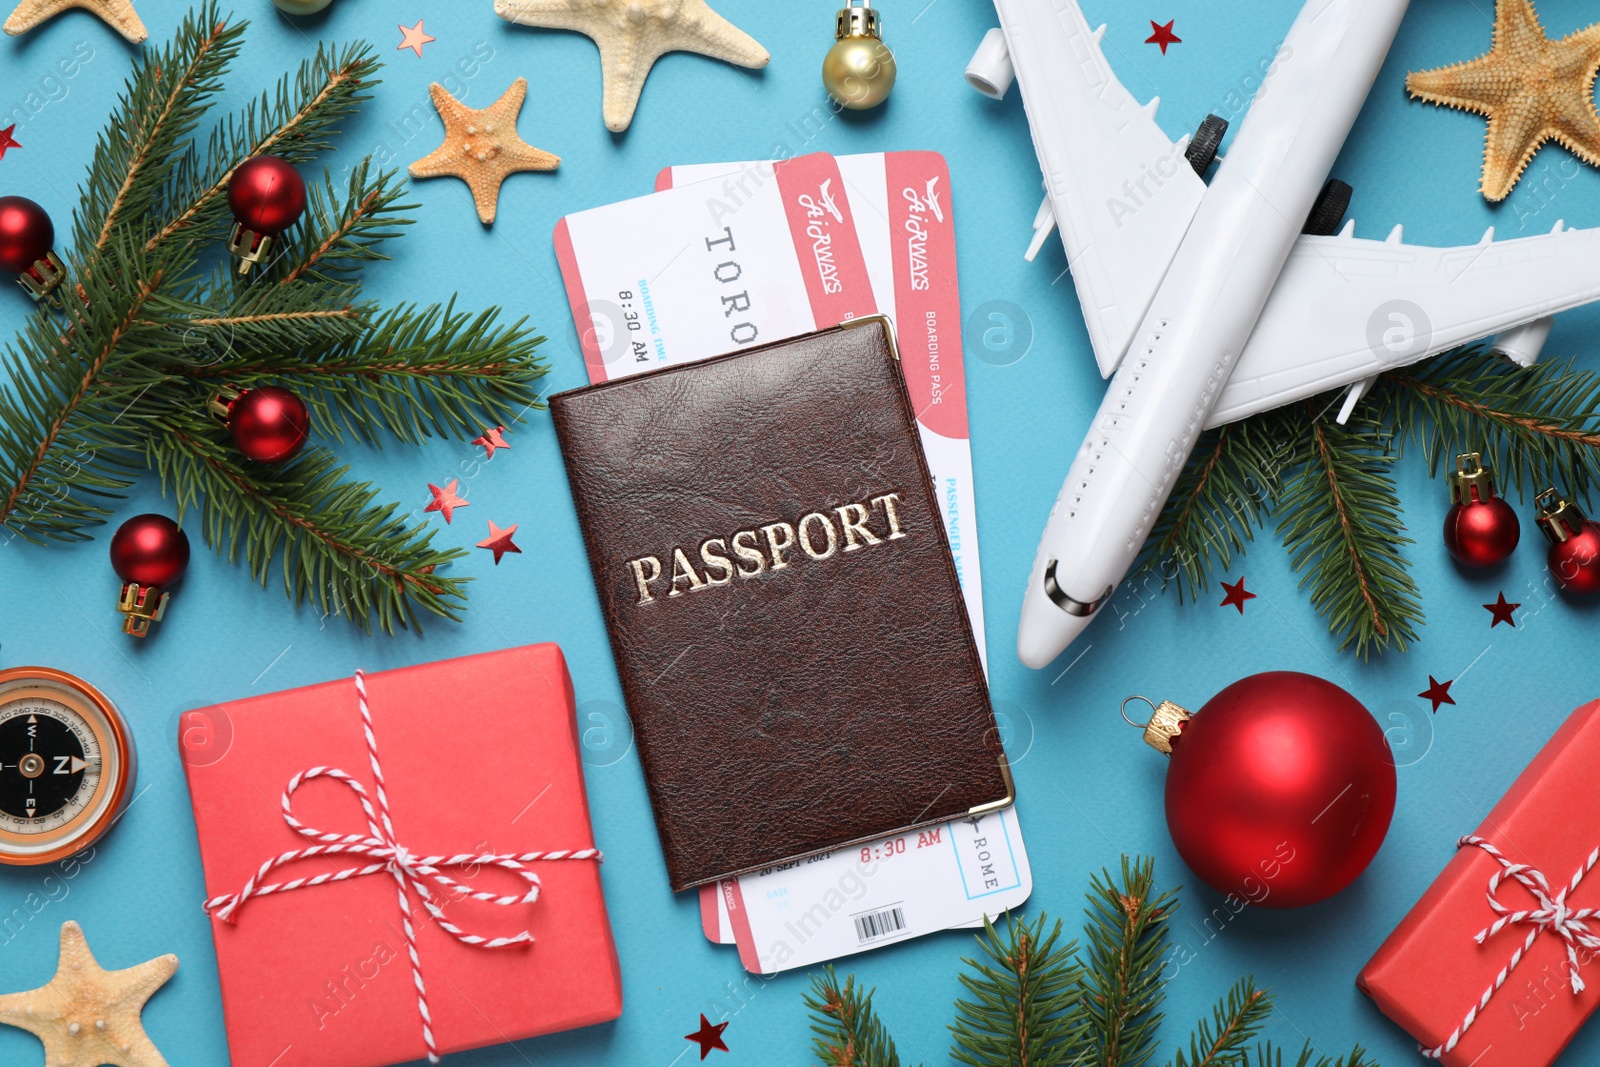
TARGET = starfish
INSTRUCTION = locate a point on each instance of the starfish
(481, 146)
(499, 541)
(87, 1016)
(633, 34)
(119, 13)
(1531, 88)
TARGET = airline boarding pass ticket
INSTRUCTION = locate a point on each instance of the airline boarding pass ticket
(668, 278)
(901, 207)
(855, 899)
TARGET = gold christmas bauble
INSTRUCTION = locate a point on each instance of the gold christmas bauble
(300, 7)
(859, 69)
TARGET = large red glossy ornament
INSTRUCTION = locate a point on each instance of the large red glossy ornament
(268, 424)
(1481, 529)
(1280, 790)
(1574, 558)
(26, 239)
(266, 196)
(149, 553)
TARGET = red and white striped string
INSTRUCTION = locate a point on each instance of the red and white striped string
(380, 846)
(1552, 915)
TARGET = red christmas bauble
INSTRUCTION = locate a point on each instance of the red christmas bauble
(149, 550)
(1574, 558)
(267, 195)
(1575, 562)
(1280, 790)
(1482, 533)
(1480, 530)
(269, 424)
(26, 233)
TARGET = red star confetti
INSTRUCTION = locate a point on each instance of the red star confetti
(708, 1037)
(499, 541)
(1438, 692)
(1236, 595)
(1502, 612)
(415, 38)
(492, 440)
(445, 500)
(1163, 35)
(7, 141)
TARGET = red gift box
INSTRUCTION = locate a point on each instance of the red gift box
(1494, 965)
(403, 875)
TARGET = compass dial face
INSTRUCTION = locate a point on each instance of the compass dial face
(65, 765)
(51, 763)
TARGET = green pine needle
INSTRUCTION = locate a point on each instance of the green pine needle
(118, 379)
(1230, 485)
(1268, 1056)
(848, 1031)
(1126, 931)
(1025, 994)
(1342, 524)
(1331, 487)
(1223, 1040)
(339, 237)
(1032, 1001)
(333, 543)
(1536, 427)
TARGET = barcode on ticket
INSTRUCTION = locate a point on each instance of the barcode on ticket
(876, 925)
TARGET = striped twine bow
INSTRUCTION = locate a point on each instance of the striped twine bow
(1551, 916)
(380, 845)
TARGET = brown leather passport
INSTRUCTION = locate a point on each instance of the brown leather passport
(781, 600)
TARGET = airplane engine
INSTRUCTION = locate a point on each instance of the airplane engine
(990, 71)
(1523, 344)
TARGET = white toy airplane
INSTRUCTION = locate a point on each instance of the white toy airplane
(1215, 302)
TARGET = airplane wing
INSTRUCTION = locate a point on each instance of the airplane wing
(1122, 193)
(1345, 309)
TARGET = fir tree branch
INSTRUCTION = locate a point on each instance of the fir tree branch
(413, 372)
(849, 1033)
(1034, 1004)
(335, 546)
(296, 123)
(264, 322)
(1230, 484)
(1342, 525)
(147, 139)
(1123, 990)
(1223, 1040)
(1026, 995)
(118, 382)
(61, 441)
(1269, 1056)
(64, 414)
(1536, 427)
(337, 239)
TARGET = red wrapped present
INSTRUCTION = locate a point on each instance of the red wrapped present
(401, 866)
(1494, 967)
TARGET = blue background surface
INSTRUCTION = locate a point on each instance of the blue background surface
(1089, 790)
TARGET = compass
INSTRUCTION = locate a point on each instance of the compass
(67, 765)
